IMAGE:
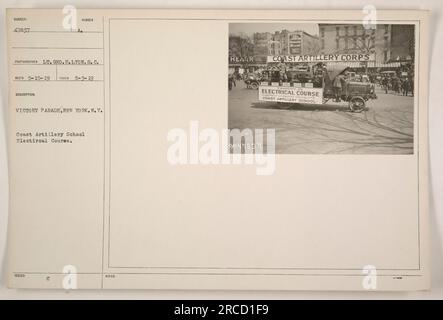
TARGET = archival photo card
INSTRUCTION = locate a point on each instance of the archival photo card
(134, 164)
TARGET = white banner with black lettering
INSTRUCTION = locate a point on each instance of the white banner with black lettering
(290, 94)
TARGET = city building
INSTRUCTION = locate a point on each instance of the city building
(355, 38)
(402, 42)
(284, 42)
(390, 45)
(252, 52)
(294, 43)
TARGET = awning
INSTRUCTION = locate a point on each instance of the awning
(370, 64)
(373, 64)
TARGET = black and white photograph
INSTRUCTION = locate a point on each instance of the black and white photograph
(324, 88)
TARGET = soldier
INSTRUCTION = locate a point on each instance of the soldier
(405, 87)
(231, 81)
(337, 86)
(385, 83)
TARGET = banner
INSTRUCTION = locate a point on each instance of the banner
(235, 59)
(290, 94)
(337, 57)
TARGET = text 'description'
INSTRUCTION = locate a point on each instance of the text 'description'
(290, 94)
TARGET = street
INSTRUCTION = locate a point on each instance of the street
(385, 128)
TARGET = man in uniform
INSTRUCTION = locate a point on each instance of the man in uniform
(336, 86)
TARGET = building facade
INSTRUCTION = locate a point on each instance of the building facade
(284, 43)
(294, 43)
(391, 46)
(255, 49)
(402, 42)
(355, 38)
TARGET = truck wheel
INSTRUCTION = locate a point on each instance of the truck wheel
(254, 85)
(357, 104)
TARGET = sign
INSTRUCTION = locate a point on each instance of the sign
(235, 59)
(337, 57)
(290, 94)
